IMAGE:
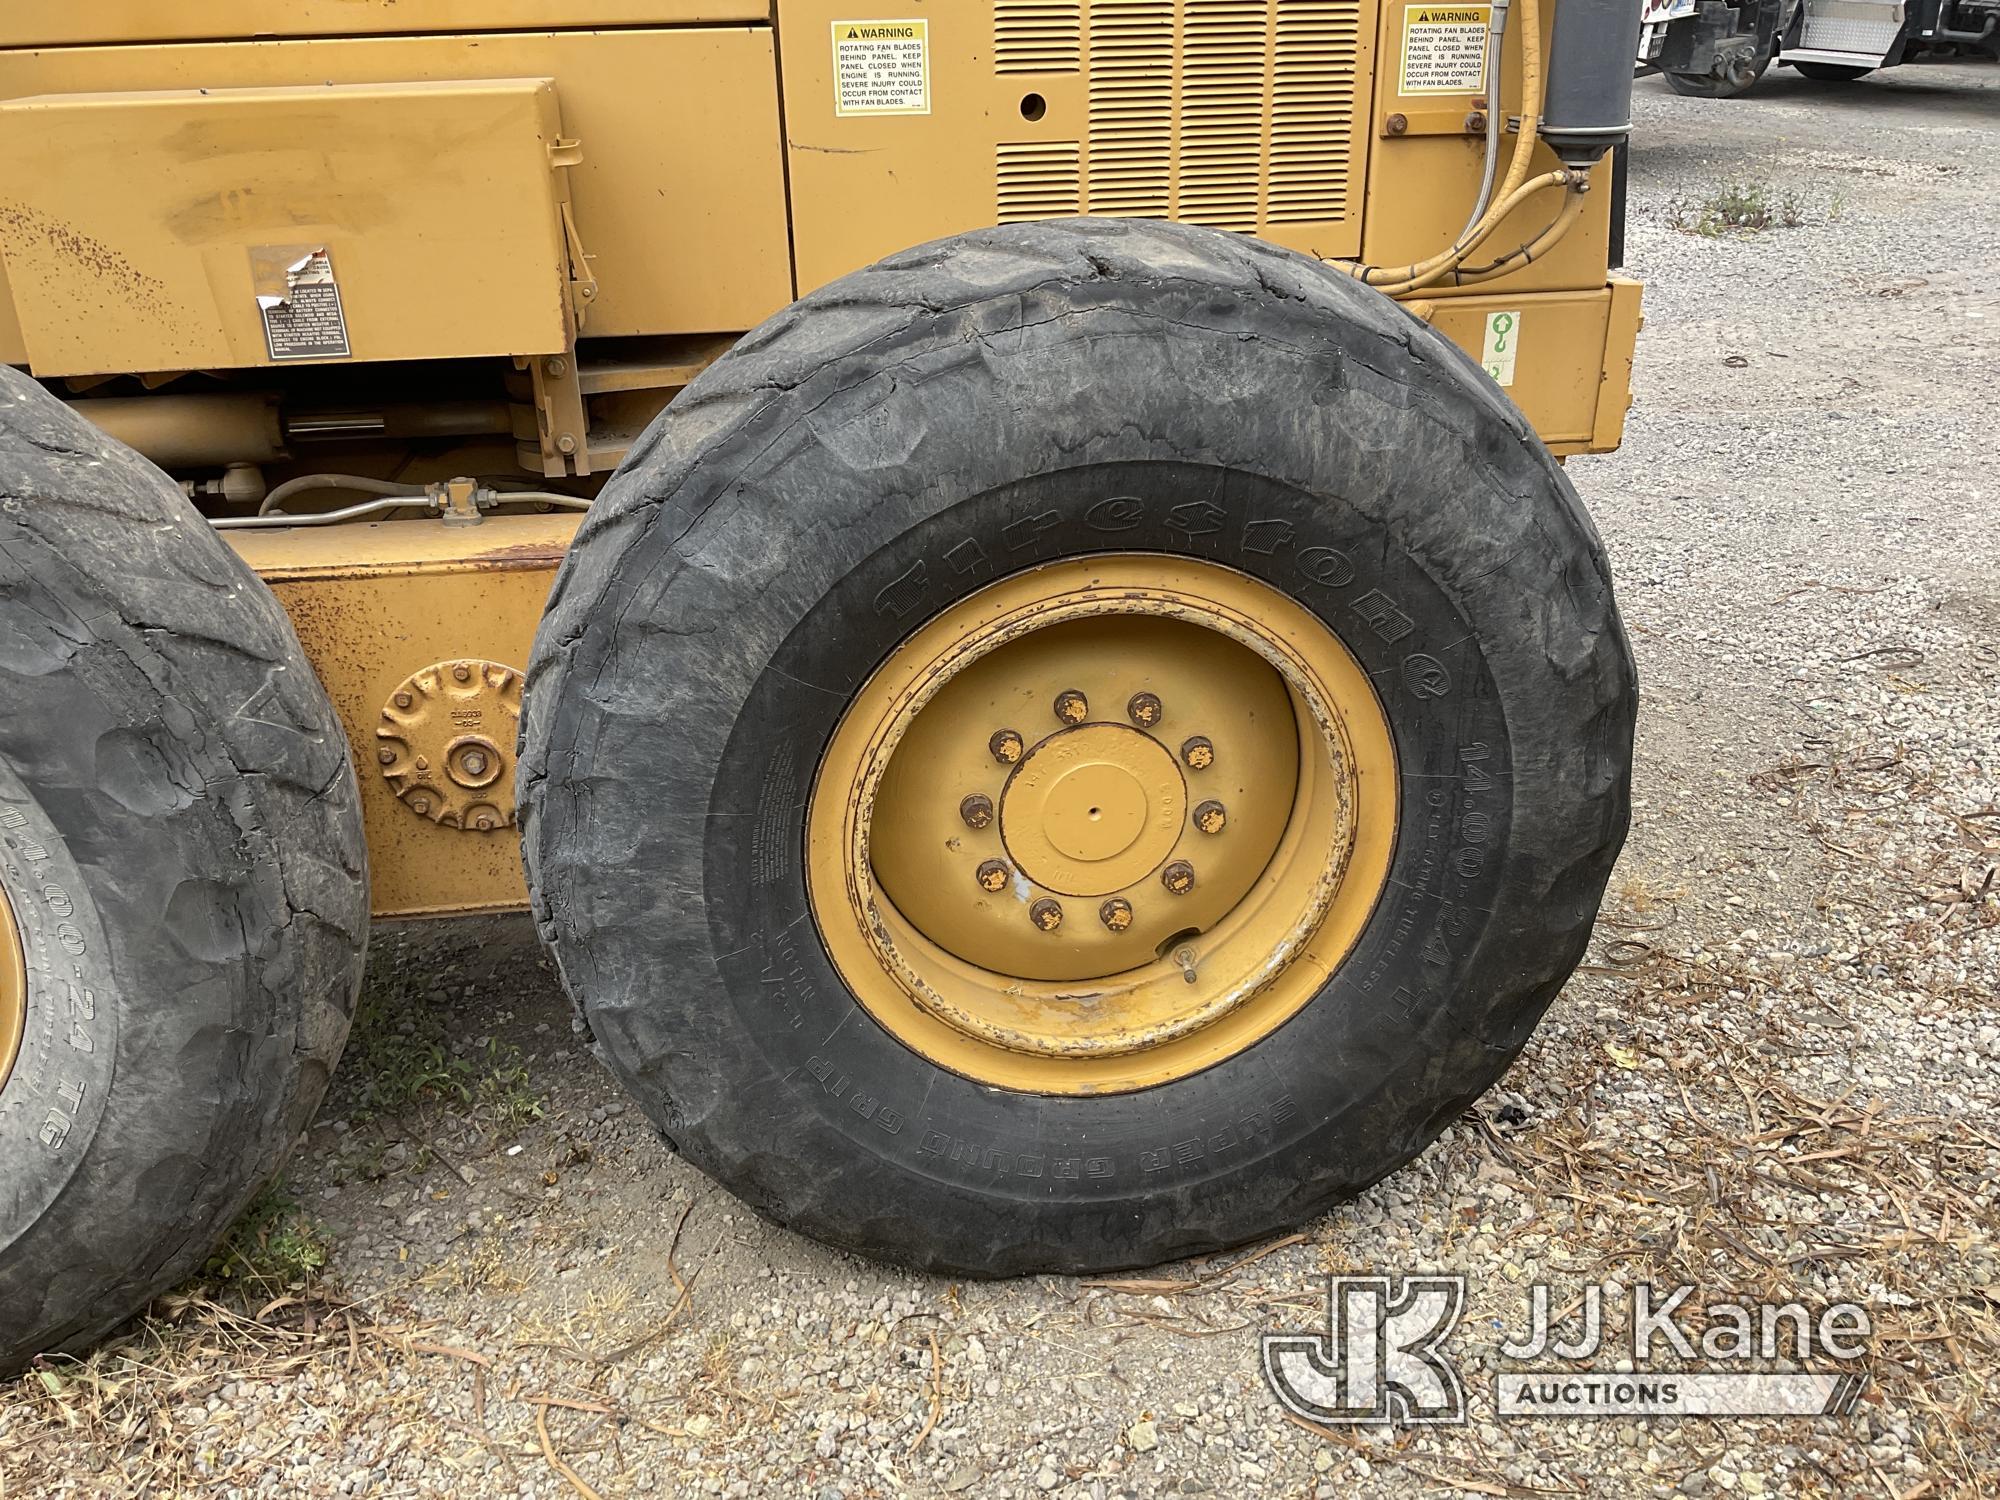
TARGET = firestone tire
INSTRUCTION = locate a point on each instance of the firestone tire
(954, 415)
(180, 846)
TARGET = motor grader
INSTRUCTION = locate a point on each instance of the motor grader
(998, 578)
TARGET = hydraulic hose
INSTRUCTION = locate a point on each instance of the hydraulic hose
(1514, 189)
(1496, 122)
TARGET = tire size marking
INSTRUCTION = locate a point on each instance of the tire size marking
(20, 855)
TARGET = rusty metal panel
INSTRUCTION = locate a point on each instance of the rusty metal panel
(227, 227)
(24, 23)
(679, 199)
(386, 612)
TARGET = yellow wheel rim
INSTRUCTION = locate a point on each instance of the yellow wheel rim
(13, 990)
(1102, 825)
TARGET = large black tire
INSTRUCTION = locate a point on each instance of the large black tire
(1830, 72)
(726, 597)
(180, 842)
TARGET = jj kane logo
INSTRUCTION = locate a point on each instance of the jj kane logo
(1382, 1357)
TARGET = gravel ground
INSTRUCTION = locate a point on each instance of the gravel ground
(1778, 1074)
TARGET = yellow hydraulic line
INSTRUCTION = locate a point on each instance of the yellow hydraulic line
(1421, 273)
(1563, 177)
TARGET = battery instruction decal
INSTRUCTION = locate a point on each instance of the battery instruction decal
(299, 301)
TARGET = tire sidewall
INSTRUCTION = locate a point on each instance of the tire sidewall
(1340, 1084)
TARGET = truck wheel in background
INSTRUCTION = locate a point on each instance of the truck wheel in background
(183, 902)
(1084, 743)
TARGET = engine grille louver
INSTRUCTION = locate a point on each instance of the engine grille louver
(1237, 114)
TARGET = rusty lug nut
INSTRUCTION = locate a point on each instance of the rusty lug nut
(1116, 914)
(404, 700)
(1006, 746)
(1143, 709)
(976, 810)
(1046, 914)
(1071, 706)
(1197, 753)
(461, 672)
(1211, 817)
(1178, 878)
(992, 875)
(1397, 124)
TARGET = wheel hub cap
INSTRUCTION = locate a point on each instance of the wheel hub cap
(1101, 824)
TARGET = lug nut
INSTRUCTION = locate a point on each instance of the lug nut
(1197, 753)
(992, 875)
(1071, 706)
(462, 672)
(1006, 746)
(1116, 914)
(420, 805)
(1210, 817)
(475, 765)
(1046, 914)
(386, 756)
(1143, 709)
(1178, 878)
(404, 700)
(976, 810)
(484, 822)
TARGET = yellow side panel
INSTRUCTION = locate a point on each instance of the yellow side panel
(140, 229)
(375, 604)
(1425, 179)
(1241, 114)
(1560, 376)
(43, 23)
(679, 198)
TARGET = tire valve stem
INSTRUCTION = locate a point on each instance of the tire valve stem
(1184, 956)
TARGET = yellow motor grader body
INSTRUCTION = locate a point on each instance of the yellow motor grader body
(410, 240)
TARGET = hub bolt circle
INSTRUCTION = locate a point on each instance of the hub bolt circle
(1116, 914)
(1071, 706)
(1006, 746)
(1143, 709)
(976, 810)
(1178, 878)
(1197, 752)
(992, 875)
(1211, 817)
(1046, 914)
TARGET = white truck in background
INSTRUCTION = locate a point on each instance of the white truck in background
(1716, 49)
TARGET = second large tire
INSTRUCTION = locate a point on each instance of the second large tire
(182, 874)
(983, 413)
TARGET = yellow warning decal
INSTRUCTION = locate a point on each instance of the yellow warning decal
(881, 68)
(1444, 49)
